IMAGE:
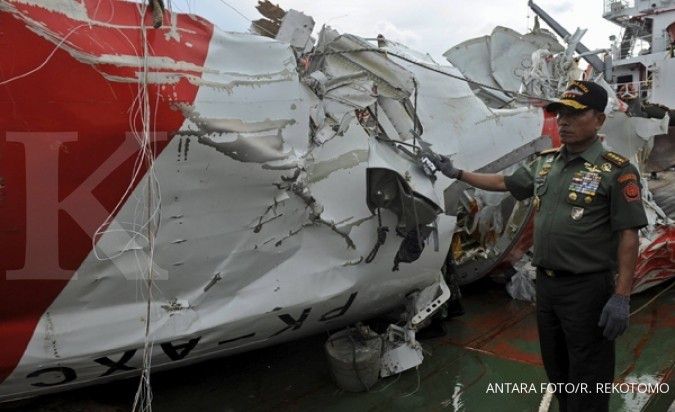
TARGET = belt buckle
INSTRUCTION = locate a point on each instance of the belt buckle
(549, 273)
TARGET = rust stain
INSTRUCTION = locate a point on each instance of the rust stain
(482, 340)
(510, 352)
(637, 351)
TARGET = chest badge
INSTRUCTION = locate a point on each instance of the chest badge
(606, 167)
(591, 168)
(577, 213)
(585, 183)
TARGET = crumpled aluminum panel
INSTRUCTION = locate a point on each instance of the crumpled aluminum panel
(263, 224)
(511, 54)
(472, 58)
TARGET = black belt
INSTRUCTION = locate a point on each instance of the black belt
(564, 273)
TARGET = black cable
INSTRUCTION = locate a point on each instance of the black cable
(381, 238)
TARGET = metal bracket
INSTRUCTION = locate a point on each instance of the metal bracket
(434, 305)
(403, 351)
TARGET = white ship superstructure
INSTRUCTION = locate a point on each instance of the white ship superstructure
(643, 63)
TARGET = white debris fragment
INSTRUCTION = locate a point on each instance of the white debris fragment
(296, 29)
(521, 285)
(70, 8)
(402, 351)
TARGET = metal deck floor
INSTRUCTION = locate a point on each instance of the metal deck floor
(494, 342)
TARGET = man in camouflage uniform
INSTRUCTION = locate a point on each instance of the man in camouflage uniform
(588, 209)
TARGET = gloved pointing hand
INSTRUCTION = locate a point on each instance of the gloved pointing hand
(442, 163)
(614, 316)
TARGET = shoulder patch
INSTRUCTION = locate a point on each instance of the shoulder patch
(632, 192)
(616, 159)
(549, 151)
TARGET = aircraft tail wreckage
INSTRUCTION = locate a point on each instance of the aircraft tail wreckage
(210, 192)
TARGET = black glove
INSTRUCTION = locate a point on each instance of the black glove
(442, 163)
(614, 316)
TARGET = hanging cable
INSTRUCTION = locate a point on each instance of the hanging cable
(650, 301)
(248, 19)
(49, 57)
(143, 397)
(430, 68)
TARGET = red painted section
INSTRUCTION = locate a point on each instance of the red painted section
(656, 262)
(522, 244)
(67, 95)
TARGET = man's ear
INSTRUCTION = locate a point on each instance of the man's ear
(601, 118)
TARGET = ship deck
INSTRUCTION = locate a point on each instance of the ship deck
(494, 342)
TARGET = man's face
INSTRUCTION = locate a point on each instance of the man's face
(578, 126)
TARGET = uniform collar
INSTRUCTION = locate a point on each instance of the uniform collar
(590, 155)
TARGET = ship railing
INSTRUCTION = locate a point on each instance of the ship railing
(633, 47)
(629, 91)
(617, 6)
(641, 45)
